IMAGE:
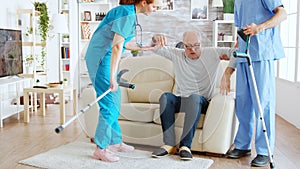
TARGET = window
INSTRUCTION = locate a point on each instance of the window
(289, 67)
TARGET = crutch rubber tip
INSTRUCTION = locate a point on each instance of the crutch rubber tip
(59, 129)
(272, 165)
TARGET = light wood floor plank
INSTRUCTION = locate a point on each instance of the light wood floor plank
(19, 141)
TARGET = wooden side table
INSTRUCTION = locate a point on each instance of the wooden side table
(61, 90)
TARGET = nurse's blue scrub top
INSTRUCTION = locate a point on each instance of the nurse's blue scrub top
(266, 45)
(120, 20)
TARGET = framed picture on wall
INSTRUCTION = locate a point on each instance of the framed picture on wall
(87, 16)
(199, 9)
(164, 5)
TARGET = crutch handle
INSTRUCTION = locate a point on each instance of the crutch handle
(127, 85)
(242, 55)
(242, 35)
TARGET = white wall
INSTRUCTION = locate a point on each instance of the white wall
(288, 105)
(288, 95)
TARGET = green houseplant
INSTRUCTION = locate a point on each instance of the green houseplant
(228, 9)
(43, 26)
(65, 38)
(228, 6)
(134, 52)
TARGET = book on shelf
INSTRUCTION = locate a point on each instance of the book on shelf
(65, 52)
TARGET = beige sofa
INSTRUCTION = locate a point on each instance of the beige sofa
(139, 117)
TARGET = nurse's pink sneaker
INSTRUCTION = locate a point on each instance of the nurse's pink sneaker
(105, 155)
(121, 148)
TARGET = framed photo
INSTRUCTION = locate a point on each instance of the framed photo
(164, 5)
(199, 9)
(87, 16)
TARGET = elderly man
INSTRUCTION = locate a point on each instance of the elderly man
(195, 75)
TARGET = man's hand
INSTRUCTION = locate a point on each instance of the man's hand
(224, 57)
(159, 40)
(225, 82)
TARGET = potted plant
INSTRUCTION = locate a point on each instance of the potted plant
(228, 9)
(134, 52)
(65, 38)
(43, 26)
(65, 81)
(29, 64)
(65, 5)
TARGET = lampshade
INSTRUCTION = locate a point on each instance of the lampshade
(217, 3)
(59, 22)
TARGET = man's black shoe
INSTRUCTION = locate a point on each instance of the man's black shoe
(260, 161)
(236, 153)
(163, 151)
(185, 153)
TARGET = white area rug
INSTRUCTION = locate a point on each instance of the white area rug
(78, 155)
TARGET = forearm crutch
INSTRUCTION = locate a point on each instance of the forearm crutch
(82, 111)
(246, 55)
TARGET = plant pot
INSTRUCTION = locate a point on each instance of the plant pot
(65, 6)
(29, 69)
(228, 16)
(65, 83)
(65, 39)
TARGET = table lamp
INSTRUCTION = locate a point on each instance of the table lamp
(217, 4)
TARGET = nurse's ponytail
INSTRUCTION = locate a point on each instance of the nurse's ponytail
(129, 2)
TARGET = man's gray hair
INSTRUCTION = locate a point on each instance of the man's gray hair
(193, 32)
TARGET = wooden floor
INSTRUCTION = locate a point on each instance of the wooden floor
(19, 141)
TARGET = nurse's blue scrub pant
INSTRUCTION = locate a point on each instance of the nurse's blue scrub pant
(108, 130)
(247, 109)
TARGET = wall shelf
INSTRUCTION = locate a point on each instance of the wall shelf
(228, 30)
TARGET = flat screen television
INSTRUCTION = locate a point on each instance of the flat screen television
(11, 60)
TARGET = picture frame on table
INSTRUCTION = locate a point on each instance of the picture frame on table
(199, 10)
(87, 16)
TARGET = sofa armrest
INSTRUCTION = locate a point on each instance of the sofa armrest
(220, 124)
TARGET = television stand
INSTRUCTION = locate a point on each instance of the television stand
(11, 89)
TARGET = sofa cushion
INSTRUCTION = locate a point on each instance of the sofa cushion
(149, 92)
(142, 112)
(152, 76)
(179, 119)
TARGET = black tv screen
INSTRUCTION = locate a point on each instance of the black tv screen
(11, 60)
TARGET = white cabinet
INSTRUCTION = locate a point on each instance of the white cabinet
(224, 33)
(11, 89)
(90, 16)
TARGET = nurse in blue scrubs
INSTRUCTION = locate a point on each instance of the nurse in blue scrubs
(260, 20)
(108, 42)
